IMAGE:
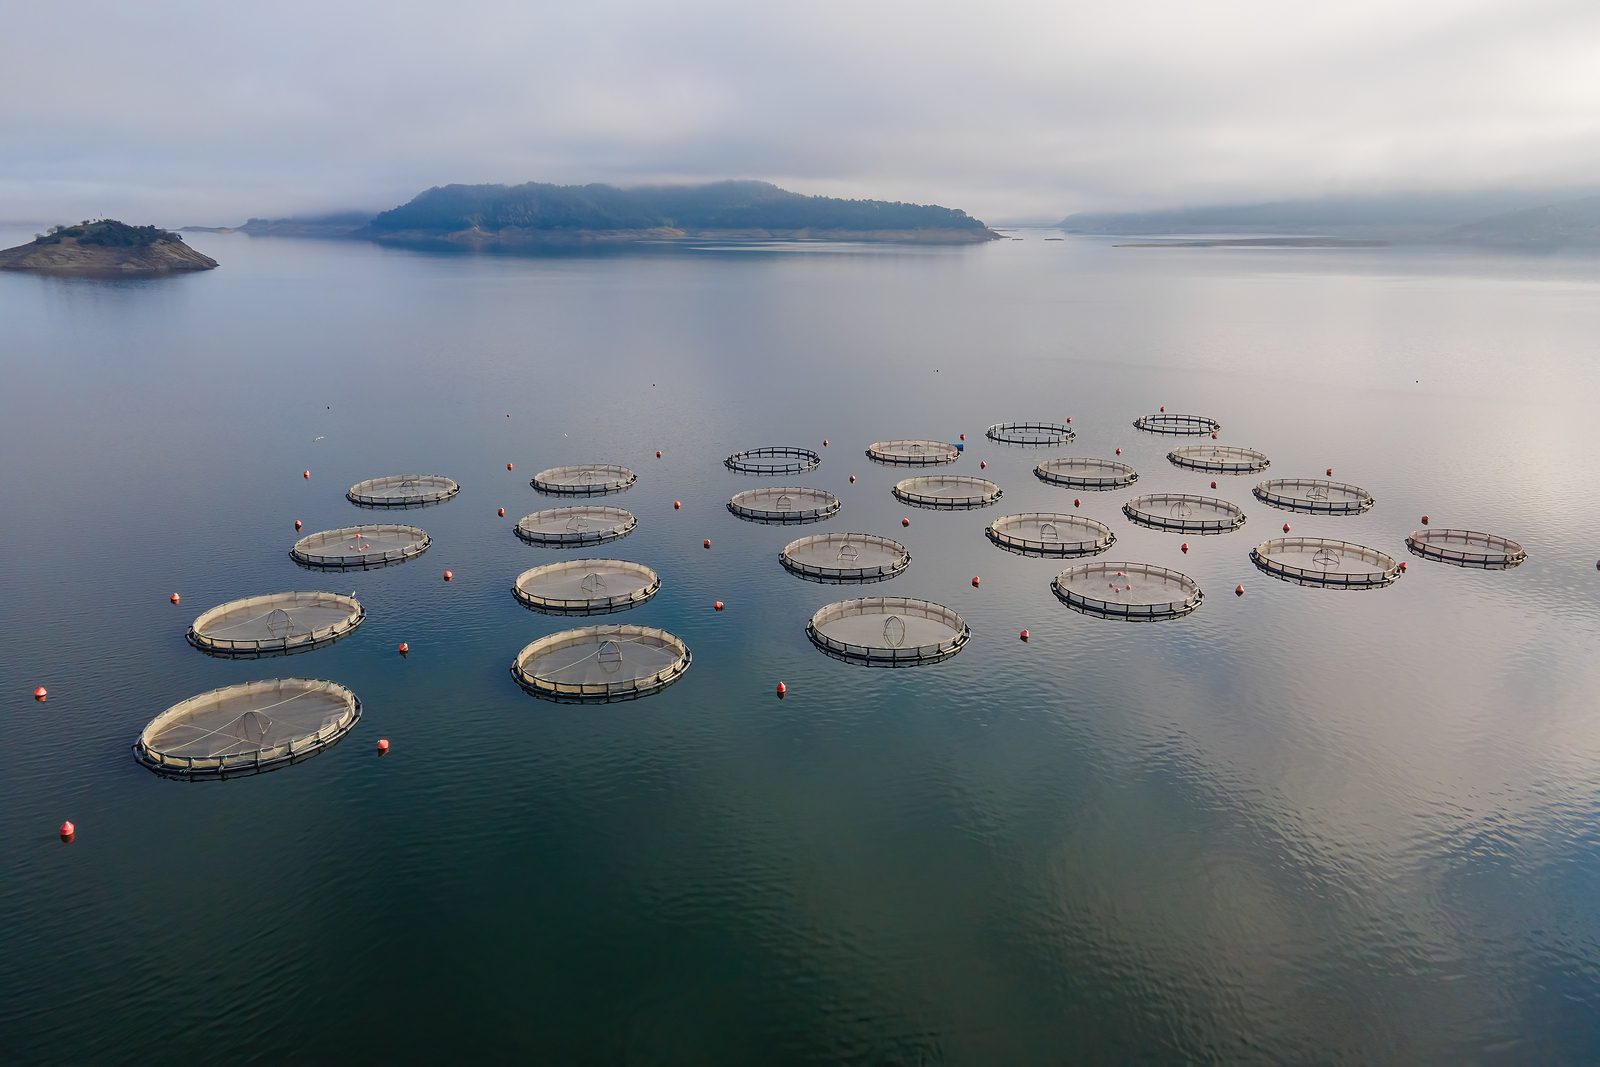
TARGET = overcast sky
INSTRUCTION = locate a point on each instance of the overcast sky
(209, 112)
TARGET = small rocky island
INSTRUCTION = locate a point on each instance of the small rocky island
(105, 247)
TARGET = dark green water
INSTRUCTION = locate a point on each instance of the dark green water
(1299, 826)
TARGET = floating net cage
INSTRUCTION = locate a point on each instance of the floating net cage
(1220, 459)
(402, 491)
(913, 453)
(1177, 425)
(838, 558)
(594, 479)
(360, 547)
(888, 631)
(1086, 473)
(788, 504)
(1184, 513)
(1467, 548)
(1314, 495)
(1325, 562)
(1139, 591)
(773, 460)
(601, 664)
(947, 491)
(247, 729)
(1049, 533)
(1031, 433)
(276, 624)
(587, 524)
(586, 586)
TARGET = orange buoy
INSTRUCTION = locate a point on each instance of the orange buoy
(1077, 502)
(1119, 451)
(706, 542)
(677, 505)
(502, 513)
(305, 474)
(67, 830)
(449, 576)
(298, 524)
(1185, 548)
(852, 479)
(658, 453)
(1238, 590)
(1330, 472)
(782, 689)
(174, 598)
(983, 464)
(1023, 635)
(404, 649)
(1285, 527)
(905, 521)
(1424, 520)
(383, 744)
(508, 466)
(40, 694)
(716, 605)
(974, 581)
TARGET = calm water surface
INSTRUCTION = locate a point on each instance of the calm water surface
(1303, 825)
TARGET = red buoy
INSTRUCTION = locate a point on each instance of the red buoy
(449, 576)
(1077, 502)
(40, 694)
(1163, 409)
(502, 513)
(305, 474)
(1285, 527)
(383, 744)
(1424, 520)
(298, 524)
(1119, 451)
(677, 505)
(174, 598)
(706, 542)
(983, 464)
(782, 689)
(963, 437)
(67, 830)
(1238, 590)
(1069, 418)
(1213, 484)
(658, 453)
(1213, 435)
(1185, 547)
(1403, 566)
(824, 442)
(905, 522)
(974, 581)
(508, 466)
(852, 479)
(716, 605)
(1023, 635)
(404, 649)
(1330, 472)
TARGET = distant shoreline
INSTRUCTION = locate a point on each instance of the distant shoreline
(1258, 242)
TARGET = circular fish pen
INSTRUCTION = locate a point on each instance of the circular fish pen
(1325, 562)
(1467, 548)
(1314, 495)
(773, 460)
(1220, 459)
(1086, 473)
(277, 624)
(601, 664)
(586, 524)
(1137, 591)
(913, 453)
(1184, 513)
(595, 479)
(840, 558)
(360, 547)
(402, 491)
(1035, 434)
(247, 729)
(947, 491)
(1049, 533)
(888, 631)
(1177, 425)
(784, 505)
(586, 586)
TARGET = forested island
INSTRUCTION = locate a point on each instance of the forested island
(105, 246)
(540, 214)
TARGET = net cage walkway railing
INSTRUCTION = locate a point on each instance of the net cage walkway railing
(592, 479)
(1466, 548)
(773, 460)
(913, 452)
(1325, 562)
(1109, 590)
(1031, 434)
(1184, 513)
(884, 618)
(402, 491)
(601, 586)
(585, 524)
(841, 558)
(229, 732)
(1219, 459)
(1086, 473)
(1177, 425)
(275, 624)
(660, 659)
(1049, 533)
(1314, 495)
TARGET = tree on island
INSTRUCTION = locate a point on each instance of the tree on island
(106, 233)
